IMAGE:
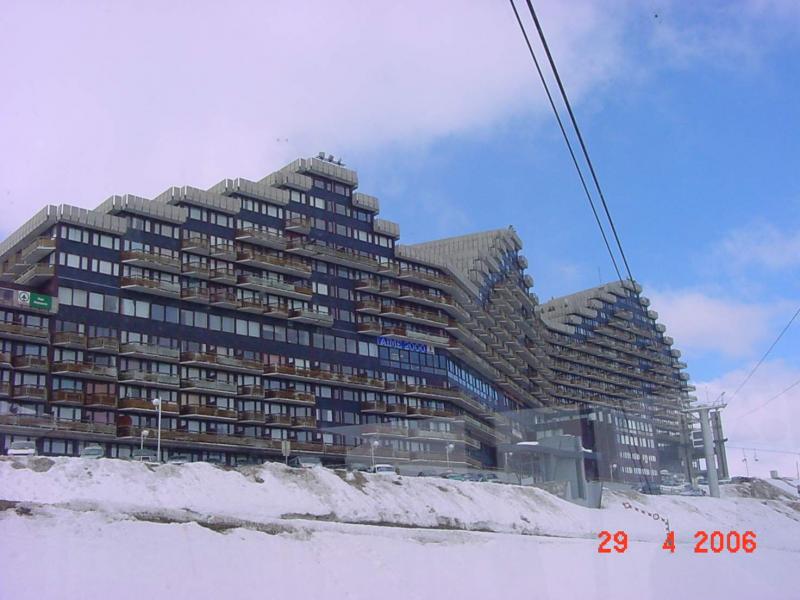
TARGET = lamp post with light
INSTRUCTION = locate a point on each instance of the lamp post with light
(448, 449)
(157, 404)
(372, 446)
(144, 434)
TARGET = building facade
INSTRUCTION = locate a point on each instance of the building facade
(285, 310)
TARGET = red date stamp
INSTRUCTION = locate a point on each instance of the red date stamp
(715, 541)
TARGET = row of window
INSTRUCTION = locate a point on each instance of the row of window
(77, 234)
(76, 261)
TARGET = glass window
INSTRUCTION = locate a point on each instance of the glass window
(95, 301)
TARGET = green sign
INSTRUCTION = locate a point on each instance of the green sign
(41, 301)
(34, 300)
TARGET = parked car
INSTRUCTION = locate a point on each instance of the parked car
(454, 476)
(22, 448)
(144, 455)
(93, 451)
(383, 469)
(427, 474)
(179, 459)
(358, 467)
(689, 490)
(650, 488)
(305, 462)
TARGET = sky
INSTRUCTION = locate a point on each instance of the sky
(689, 110)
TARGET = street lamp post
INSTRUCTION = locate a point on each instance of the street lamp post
(144, 434)
(372, 446)
(448, 449)
(157, 404)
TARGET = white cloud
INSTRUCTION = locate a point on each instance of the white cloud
(734, 34)
(774, 427)
(762, 246)
(140, 96)
(703, 323)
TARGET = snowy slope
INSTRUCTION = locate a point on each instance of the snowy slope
(119, 529)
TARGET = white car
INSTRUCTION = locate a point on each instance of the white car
(304, 462)
(93, 452)
(382, 470)
(22, 448)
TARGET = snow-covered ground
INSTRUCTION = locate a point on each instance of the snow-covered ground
(73, 528)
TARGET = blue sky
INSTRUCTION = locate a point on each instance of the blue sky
(691, 117)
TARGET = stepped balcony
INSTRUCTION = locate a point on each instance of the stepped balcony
(200, 295)
(340, 256)
(196, 245)
(278, 311)
(103, 344)
(223, 251)
(370, 307)
(300, 225)
(442, 282)
(27, 333)
(151, 286)
(151, 260)
(304, 423)
(67, 397)
(422, 412)
(275, 286)
(30, 362)
(250, 391)
(396, 408)
(149, 378)
(432, 434)
(205, 411)
(378, 407)
(224, 275)
(84, 369)
(276, 420)
(291, 397)
(140, 350)
(37, 250)
(199, 384)
(383, 430)
(29, 392)
(221, 361)
(99, 400)
(146, 405)
(265, 239)
(69, 339)
(422, 317)
(251, 417)
(311, 316)
(278, 264)
(196, 269)
(37, 275)
(223, 298)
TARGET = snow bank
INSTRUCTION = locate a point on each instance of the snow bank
(72, 528)
(274, 492)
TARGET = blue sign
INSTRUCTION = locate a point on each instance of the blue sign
(403, 345)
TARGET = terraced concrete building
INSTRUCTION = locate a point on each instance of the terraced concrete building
(285, 310)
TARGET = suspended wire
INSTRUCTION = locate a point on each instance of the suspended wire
(763, 358)
(775, 397)
(624, 409)
(566, 140)
(795, 453)
(578, 133)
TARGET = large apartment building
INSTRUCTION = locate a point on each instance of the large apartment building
(285, 309)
